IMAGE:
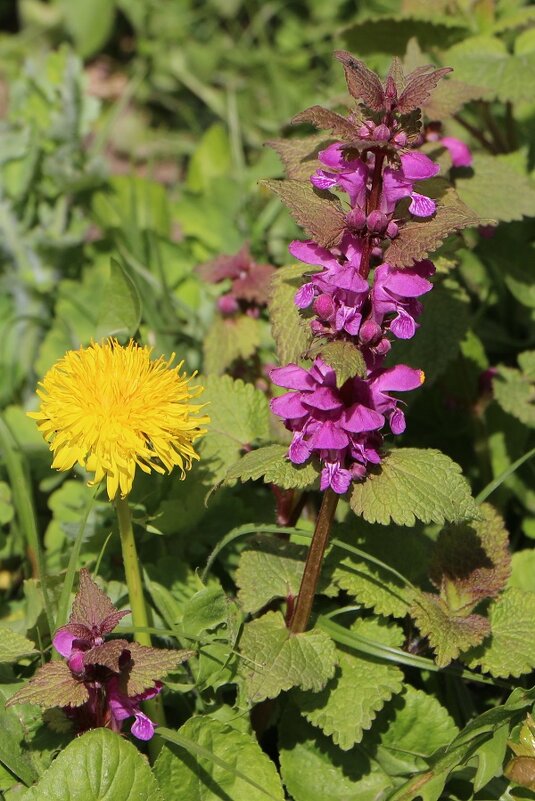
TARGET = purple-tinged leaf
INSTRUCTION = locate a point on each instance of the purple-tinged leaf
(363, 84)
(324, 119)
(318, 212)
(92, 607)
(419, 86)
(300, 156)
(107, 655)
(150, 664)
(53, 685)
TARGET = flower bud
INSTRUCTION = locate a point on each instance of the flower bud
(227, 304)
(376, 222)
(400, 139)
(382, 133)
(324, 307)
(369, 332)
(356, 219)
(392, 229)
(382, 347)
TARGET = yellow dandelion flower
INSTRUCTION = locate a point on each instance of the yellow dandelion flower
(111, 408)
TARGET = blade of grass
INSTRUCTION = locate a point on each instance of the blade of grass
(22, 498)
(495, 483)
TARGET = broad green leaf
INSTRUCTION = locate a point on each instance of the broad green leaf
(208, 610)
(272, 464)
(318, 212)
(432, 351)
(239, 418)
(89, 24)
(274, 660)
(490, 757)
(229, 339)
(391, 33)
(408, 730)
(212, 158)
(414, 484)
(120, 313)
(197, 777)
(269, 568)
(448, 634)
(496, 190)
(345, 359)
(13, 645)
(291, 331)
(359, 684)
(510, 651)
(449, 96)
(11, 751)
(515, 389)
(523, 570)
(314, 769)
(98, 766)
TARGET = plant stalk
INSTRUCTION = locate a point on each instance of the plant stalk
(309, 582)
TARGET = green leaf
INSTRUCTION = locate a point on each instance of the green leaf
(274, 660)
(485, 61)
(391, 33)
(98, 766)
(314, 769)
(120, 313)
(497, 190)
(414, 484)
(200, 777)
(229, 339)
(419, 238)
(239, 416)
(300, 156)
(211, 159)
(13, 645)
(11, 751)
(448, 634)
(359, 684)
(151, 664)
(272, 464)
(490, 757)
(318, 212)
(449, 97)
(432, 351)
(515, 389)
(6, 504)
(269, 568)
(346, 360)
(89, 24)
(523, 570)
(52, 685)
(291, 331)
(510, 651)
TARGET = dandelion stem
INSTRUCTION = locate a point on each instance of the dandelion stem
(140, 617)
(314, 561)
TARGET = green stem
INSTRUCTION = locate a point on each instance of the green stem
(140, 617)
(23, 502)
(309, 582)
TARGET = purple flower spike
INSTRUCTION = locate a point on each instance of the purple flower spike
(394, 292)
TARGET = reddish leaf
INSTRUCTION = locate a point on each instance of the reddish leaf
(107, 654)
(328, 120)
(419, 86)
(362, 83)
(53, 685)
(92, 607)
(150, 664)
(254, 285)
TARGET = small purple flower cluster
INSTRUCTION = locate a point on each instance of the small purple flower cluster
(357, 297)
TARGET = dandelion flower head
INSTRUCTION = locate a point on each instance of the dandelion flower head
(111, 409)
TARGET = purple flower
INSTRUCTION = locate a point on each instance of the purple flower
(394, 292)
(122, 707)
(460, 153)
(351, 175)
(398, 184)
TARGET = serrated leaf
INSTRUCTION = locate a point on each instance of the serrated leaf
(274, 660)
(97, 766)
(327, 120)
(291, 331)
(269, 568)
(314, 769)
(419, 86)
(346, 360)
(150, 664)
(228, 339)
(92, 607)
(471, 561)
(496, 189)
(448, 634)
(239, 415)
(13, 645)
(201, 778)
(449, 97)
(363, 84)
(515, 389)
(430, 350)
(300, 156)
(120, 313)
(52, 685)
(318, 212)
(417, 239)
(510, 651)
(359, 684)
(107, 654)
(272, 464)
(414, 484)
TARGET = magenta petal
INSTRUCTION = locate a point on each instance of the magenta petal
(399, 378)
(304, 296)
(292, 377)
(329, 436)
(407, 283)
(299, 451)
(143, 727)
(335, 477)
(417, 166)
(422, 206)
(324, 180)
(288, 406)
(459, 151)
(359, 418)
(311, 253)
(397, 422)
(65, 636)
(403, 325)
(323, 398)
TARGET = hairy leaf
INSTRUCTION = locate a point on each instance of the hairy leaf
(201, 778)
(92, 607)
(317, 211)
(414, 484)
(274, 660)
(13, 645)
(228, 339)
(269, 568)
(448, 634)
(341, 127)
(300, 156)
(449, 97)
(150, 664)
(291, 331)
(52, 685)
(359, 684)
(363, 84)
(417, 239)
(272, 464)
(510, 651)
(107, 654)
(96, 766)
(499, 188)
(345, 359)
(515, 389)
(419, 86)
